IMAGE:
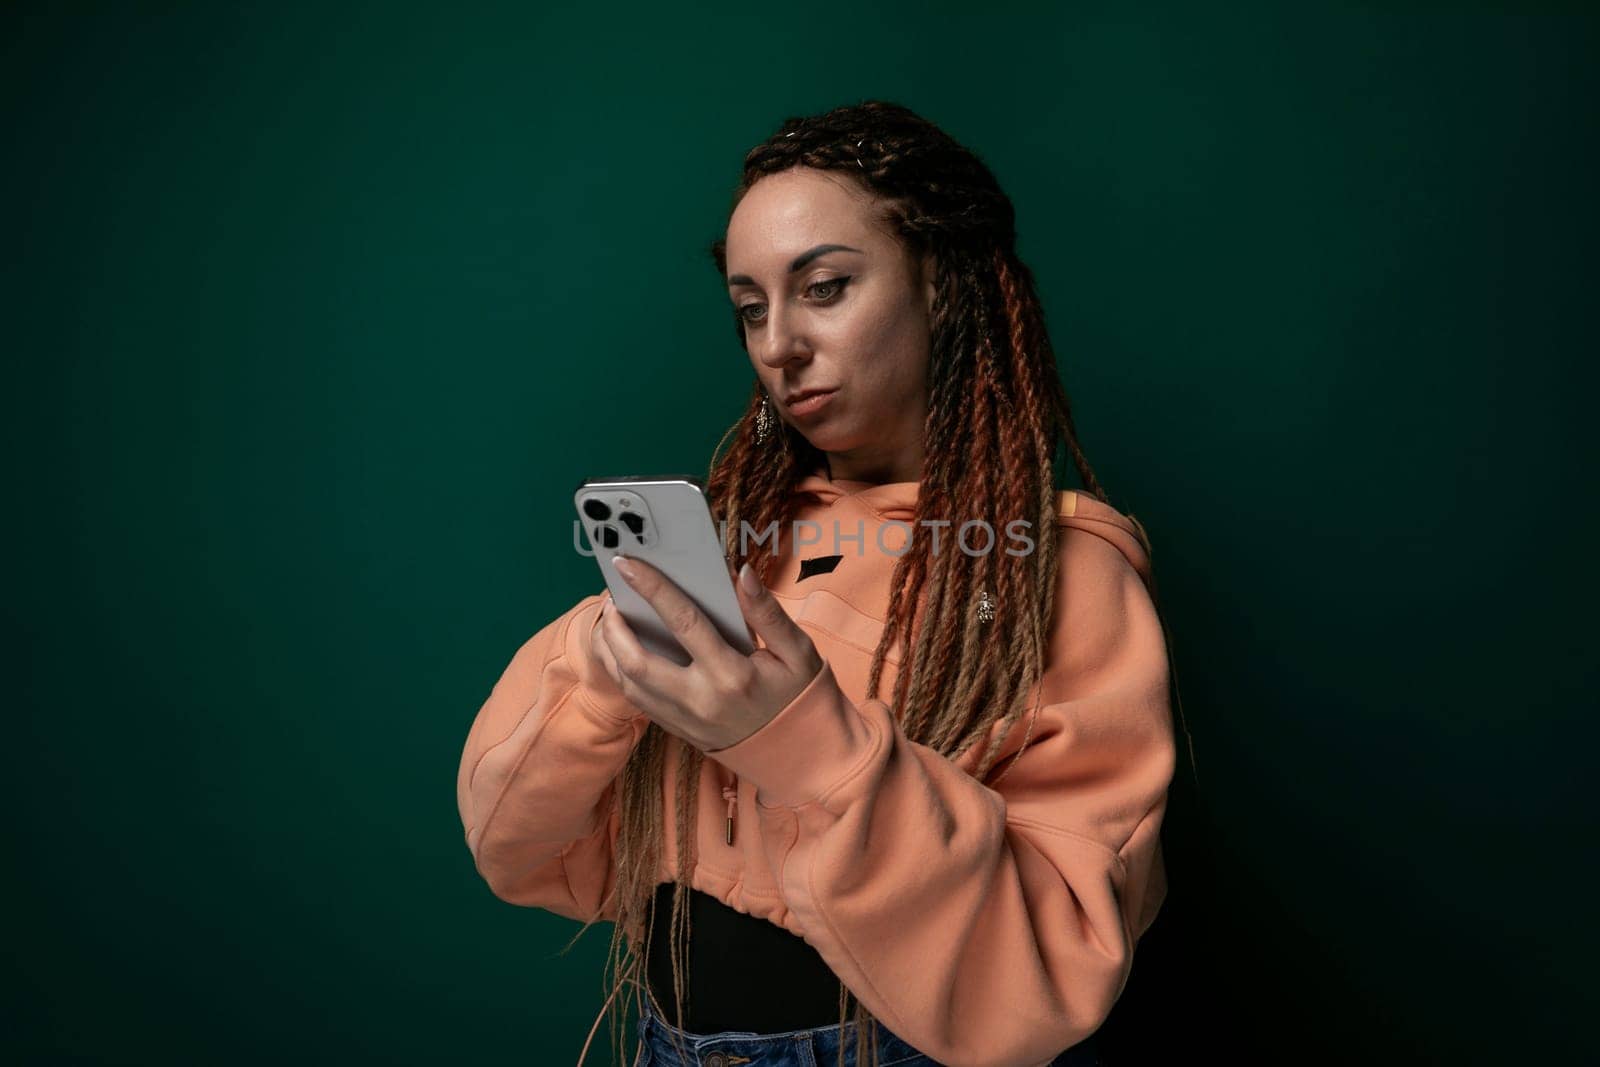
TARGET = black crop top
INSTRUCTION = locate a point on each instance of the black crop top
(744, 973)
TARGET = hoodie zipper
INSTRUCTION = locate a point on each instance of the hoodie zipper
(730, 793)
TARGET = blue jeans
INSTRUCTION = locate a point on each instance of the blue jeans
(817, 1047)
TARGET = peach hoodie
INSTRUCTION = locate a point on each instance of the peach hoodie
(990, 924)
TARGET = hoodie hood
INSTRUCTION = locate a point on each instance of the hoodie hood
(887, 500)
(897, 501)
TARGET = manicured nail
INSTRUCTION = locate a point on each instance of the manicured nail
(747, 578)
(624, 567)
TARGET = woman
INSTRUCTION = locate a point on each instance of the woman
(970, 858)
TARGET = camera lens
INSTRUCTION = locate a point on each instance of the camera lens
(596, 509)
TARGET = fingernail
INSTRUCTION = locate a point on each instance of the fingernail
(624, 567)
(747, 578)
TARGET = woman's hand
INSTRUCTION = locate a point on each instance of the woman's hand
(723, 696)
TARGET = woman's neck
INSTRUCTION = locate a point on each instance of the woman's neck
(872, 472)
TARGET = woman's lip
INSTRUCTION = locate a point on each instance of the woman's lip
(810, 403)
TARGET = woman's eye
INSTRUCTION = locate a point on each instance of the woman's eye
(837, 284)
(839, 281)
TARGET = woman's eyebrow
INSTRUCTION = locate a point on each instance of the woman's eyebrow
(799, 261)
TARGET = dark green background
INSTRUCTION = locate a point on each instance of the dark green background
(314, 316)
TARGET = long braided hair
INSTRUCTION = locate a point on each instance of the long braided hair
(997, 413)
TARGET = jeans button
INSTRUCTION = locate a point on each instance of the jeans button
(717, 1059)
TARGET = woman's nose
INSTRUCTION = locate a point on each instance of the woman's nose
(780, 343)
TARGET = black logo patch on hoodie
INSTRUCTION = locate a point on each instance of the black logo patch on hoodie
(818, 565)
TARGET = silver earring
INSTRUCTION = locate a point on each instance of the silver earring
(985, 606)
(764, 419)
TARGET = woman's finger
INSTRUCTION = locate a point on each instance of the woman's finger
(780, 633)
(658, 678)
(602, 649)
(682, 617)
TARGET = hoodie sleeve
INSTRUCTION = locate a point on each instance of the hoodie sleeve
(536, 785)
(989, 923)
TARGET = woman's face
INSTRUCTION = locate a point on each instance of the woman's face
(830, 301)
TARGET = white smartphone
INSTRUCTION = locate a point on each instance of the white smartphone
(666, 521)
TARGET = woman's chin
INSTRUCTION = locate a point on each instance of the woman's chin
(825, 438)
